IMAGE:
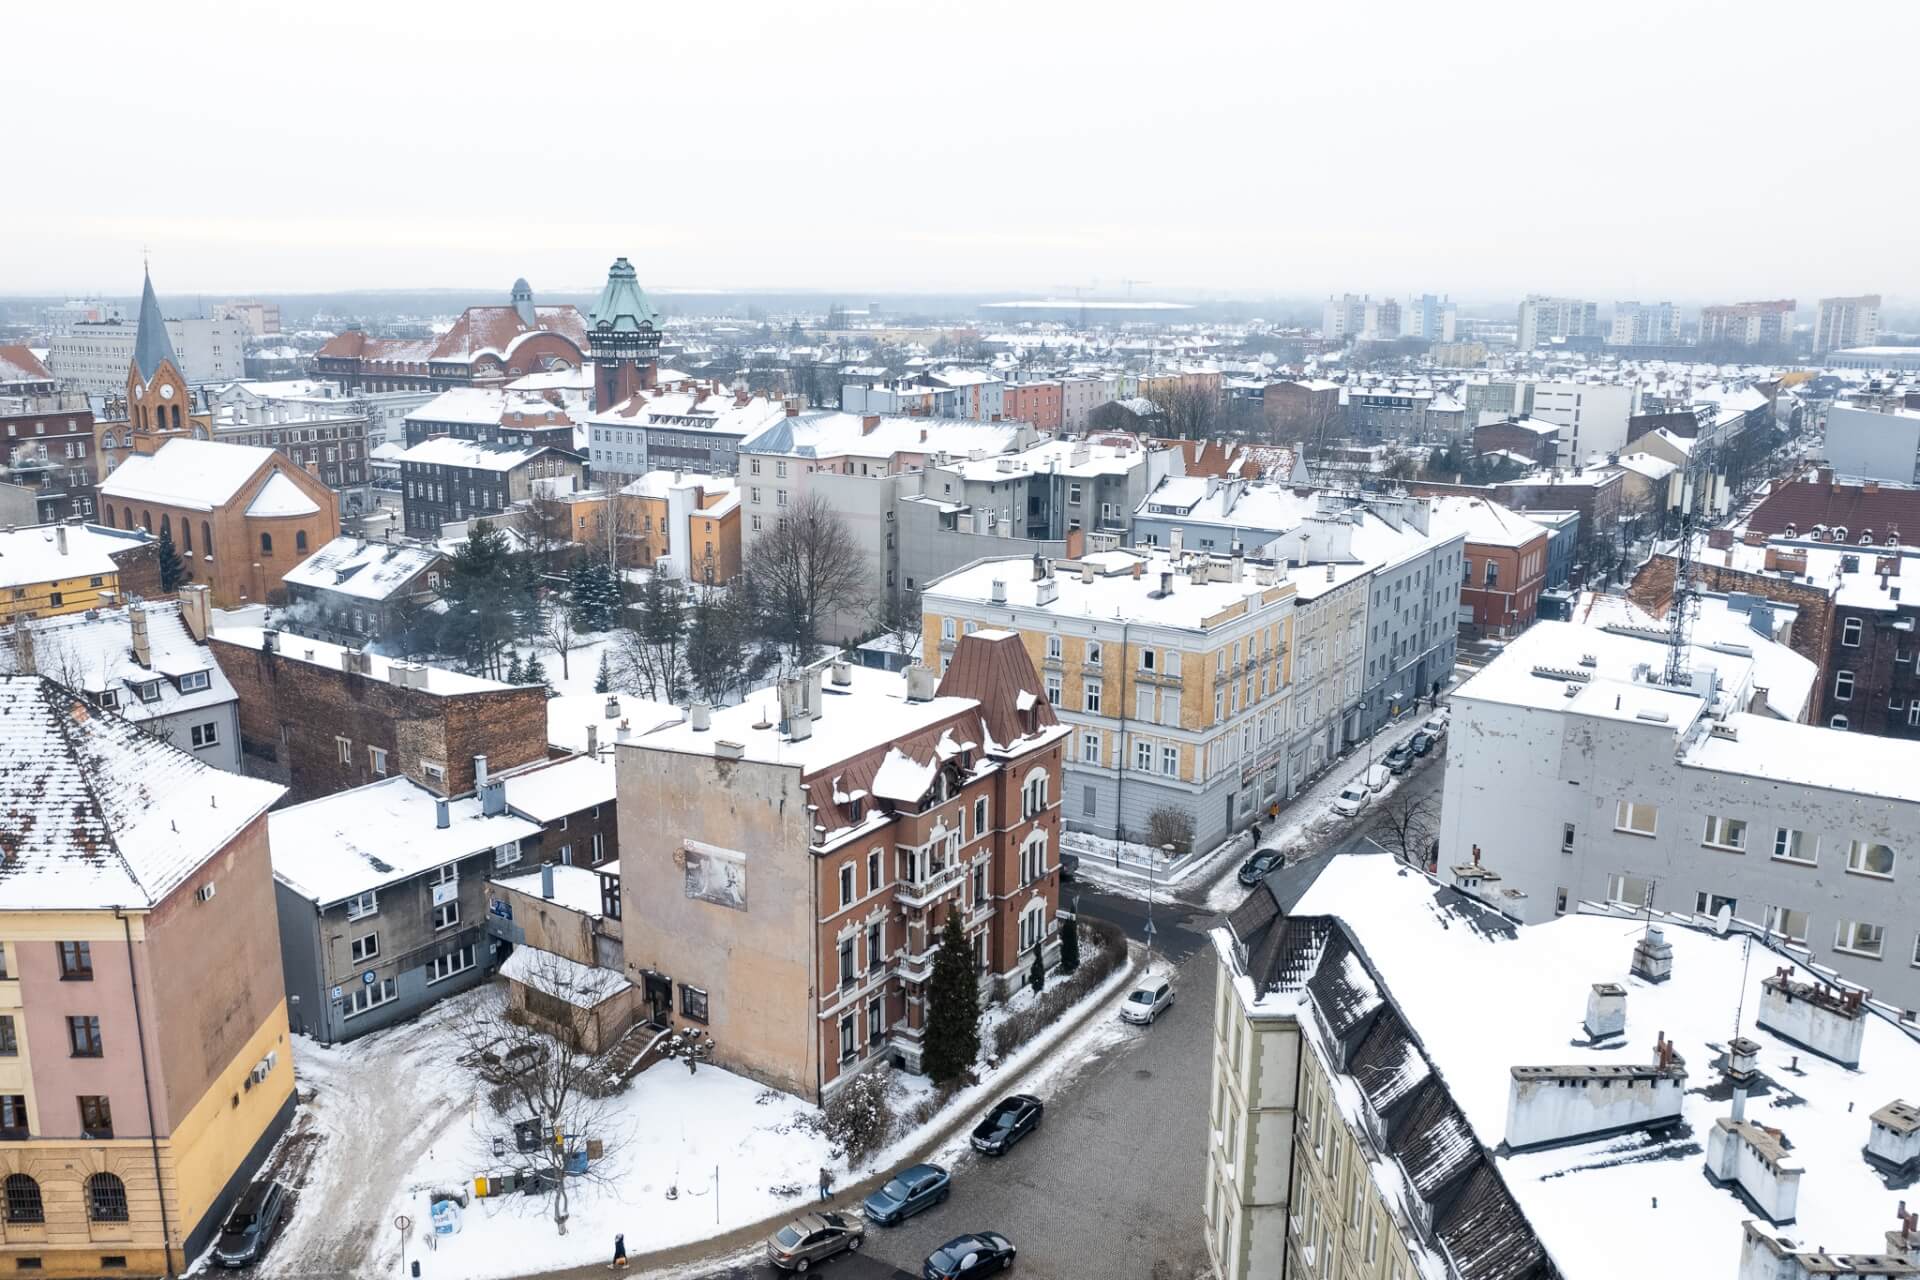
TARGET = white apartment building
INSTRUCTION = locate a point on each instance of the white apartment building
(94, 357)
(1543, 319)
(1381, 321)
(1640, 1101)
(1344, 317)
(1435, 319)
(1643, 324)
(1579, 775)
(1173, 669)
(1840, 323)
(1592, 416)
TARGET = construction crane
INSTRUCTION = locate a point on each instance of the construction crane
(1131, 283)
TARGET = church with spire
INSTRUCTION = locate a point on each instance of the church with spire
(158, 404)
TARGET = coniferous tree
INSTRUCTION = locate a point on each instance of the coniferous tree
(603, 682)
(953, 1008)
(172, 571)
(534, 672)
(1069, 943)
(516, 674)
(1037, 976)
(481, 599)
(596, 596)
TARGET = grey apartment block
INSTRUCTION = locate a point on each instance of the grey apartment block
(316, 950)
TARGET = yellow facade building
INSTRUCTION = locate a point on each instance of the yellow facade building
(52, 569)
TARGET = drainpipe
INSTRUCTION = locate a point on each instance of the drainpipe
(1293, 1164)
(1120, 772)
(146, 1082)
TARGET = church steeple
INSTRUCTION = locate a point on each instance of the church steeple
(156, 389)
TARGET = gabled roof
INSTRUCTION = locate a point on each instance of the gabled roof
(19, 364)
(1856, 508)
(197, 474)
(152, 346)
(366, 570)
(96, 813)
(92, 653)
(280, 496)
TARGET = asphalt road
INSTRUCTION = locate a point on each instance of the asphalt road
(1110, 1184)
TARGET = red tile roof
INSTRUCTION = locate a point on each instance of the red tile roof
(1859, 508)
(18, 364)
(478, 331)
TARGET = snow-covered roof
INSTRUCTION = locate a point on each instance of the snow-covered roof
(1114, 592)
(32, 555)
(580, 985)
(657, 484)
(476, 455)
(472, 406)
(1647, 465)
(1484, 522)
(569, 715)
(574, 887)
(1114, 456)
(199, 475)
(93, 653)
(280, 496)
(333, 848)
(551, 791)
(834, 434)
(1787, 677)
(298, 648)
(96, 813)
(1621, 1204)
(363, 569)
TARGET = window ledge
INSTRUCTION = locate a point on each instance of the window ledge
(1723, 848)
(1863, 955)
(1794, 862)
(1870, 875)
(1629, 831)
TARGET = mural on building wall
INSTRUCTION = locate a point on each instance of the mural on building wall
(716, 875)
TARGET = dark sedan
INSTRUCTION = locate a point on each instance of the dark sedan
(251, 1226)
(1422, 742)
(1261, 865)
(906, 1193)
(1006, 1124)
(1399, 760)
(973, 1255)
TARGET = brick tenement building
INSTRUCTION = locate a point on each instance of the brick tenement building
(1506, 563)
(790, 862)
(1836, 512)
(1534, 438)
(47, 445)
(320, 718)
(485, 346)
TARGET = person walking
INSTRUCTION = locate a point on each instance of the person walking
(826, 1183)
(620, 1251)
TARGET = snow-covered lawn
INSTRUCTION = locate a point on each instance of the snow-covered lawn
(391, 1119)
(393, 1116)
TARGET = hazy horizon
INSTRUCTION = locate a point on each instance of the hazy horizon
(1694, 152)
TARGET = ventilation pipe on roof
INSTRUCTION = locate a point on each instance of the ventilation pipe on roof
(442, 818)
(479, 771)
(546, 881)
(593, 741)
(999, 591)
(613, 707)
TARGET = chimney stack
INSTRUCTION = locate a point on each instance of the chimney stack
(1653, 956)
(441, 817)
(546, 881)
(142, 649)
(700, 716)
(1742, 1057)
(920, 683)
(23, 648)
(593, 741)
(60, 538)
(196, 610)
(479, 771)
(613, 707)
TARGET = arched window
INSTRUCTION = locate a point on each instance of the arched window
(127, 512)
(176, 417)
(300, 540)
(186, 536)
(166, 525)
(266, 544)
(206, 540)
(146, 521)
(106, 510)
(106, 1198)
(1033, 795)
(23, 1199)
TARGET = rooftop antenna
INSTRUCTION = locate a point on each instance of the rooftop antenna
(1686, 593)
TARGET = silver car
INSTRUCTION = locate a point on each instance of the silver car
(1148, 1000)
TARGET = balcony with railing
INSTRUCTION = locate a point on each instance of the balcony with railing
(918, 890)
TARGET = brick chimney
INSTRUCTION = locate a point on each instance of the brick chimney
(142, 649)
(868, 422)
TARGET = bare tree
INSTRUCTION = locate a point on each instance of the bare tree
(653, 651)
(1192, 413)
(898, 614)
(804, 571)
(548, 1076)
(559, 633)
(547, 526)
(1408, 824)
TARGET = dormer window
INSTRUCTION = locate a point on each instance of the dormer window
(149, 690)
(193, 681)
(1866, 538)
(109, 699)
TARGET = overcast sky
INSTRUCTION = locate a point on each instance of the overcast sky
(1683, 149)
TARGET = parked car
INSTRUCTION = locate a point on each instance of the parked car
(1423, 742)
(814, 1237)
(1400, 759)
(1437, 722)
(1069, 866)
(1006, 1124)
(973, 1255)
(1262, 864)
(1148, 1000)
(251, 1225)
(918, 1187)
(1352, 800)
(1377, 777)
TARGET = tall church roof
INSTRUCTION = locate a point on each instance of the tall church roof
(152, 345)
(623, 306)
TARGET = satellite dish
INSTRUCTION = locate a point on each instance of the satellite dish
(1723, 919)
